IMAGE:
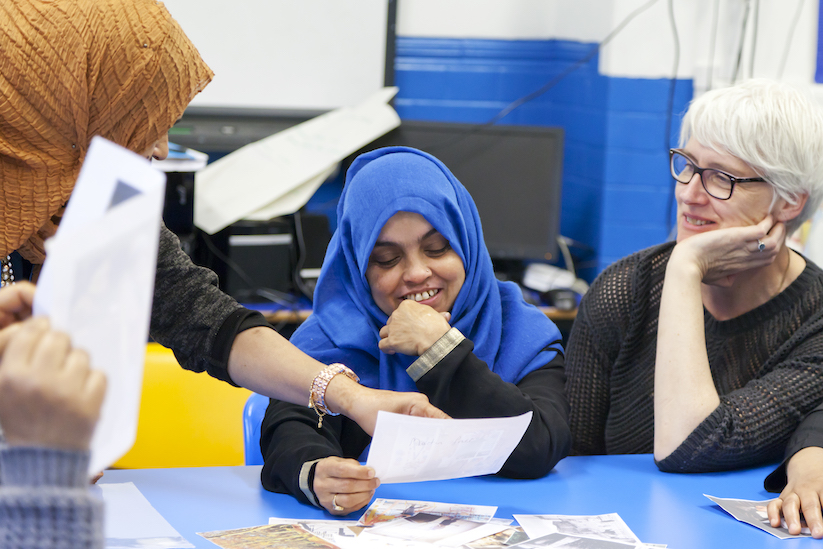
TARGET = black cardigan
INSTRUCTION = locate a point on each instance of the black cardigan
(808, 434)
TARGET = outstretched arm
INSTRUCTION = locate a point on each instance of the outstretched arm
(263, 361)
(200, 324)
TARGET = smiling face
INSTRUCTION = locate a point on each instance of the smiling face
(697, 212)
(411, 260)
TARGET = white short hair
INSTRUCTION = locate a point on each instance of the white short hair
(773, 127)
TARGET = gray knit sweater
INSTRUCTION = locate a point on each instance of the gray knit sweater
(767, 366)
(191, 316)
(45, 500)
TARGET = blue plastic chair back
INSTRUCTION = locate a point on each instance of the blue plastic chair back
(253, 414)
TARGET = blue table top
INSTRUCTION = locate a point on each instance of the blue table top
(659, 507)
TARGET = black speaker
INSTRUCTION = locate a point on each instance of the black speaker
(260, 260)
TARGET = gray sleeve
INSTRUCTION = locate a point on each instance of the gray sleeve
(45, 500)
(305, 482)
(189, 310)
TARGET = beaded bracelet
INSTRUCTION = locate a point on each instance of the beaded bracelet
(317, 396)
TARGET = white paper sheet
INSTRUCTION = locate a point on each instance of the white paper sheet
(98, 280)
(288, 165)
(415, 449)
(132, 522)
(291, 201)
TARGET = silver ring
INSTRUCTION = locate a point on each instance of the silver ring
(760, 245)
(334, 504)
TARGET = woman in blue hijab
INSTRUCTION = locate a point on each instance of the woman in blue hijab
(407, 298)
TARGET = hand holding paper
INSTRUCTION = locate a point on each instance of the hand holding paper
(48, 394)
(413, 449)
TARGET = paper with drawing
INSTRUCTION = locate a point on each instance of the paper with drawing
(415, 449)
(98, 281)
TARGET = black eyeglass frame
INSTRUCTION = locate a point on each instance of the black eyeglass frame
(699, 171)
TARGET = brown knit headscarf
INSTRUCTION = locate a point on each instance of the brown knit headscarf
(73, 69)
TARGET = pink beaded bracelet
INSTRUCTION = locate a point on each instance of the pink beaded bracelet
(317, 396)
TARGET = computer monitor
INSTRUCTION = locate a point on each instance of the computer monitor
(514, 174)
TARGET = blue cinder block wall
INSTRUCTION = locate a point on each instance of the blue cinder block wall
(616, 185)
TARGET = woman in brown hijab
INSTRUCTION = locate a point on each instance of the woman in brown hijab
(124, 70)
(73, 70)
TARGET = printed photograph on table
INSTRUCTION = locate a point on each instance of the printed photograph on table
(506, 538)
(435, 529)
(337, 532)
(575, 542)
(277, 535)
(756, 514)
(604, 527)
(382, 510)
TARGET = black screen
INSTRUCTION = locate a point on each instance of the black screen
(514, 174)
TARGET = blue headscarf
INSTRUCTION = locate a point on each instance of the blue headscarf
(512, 337)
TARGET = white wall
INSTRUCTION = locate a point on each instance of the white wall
(270, 54)
(645, 48)
(504, 19)
(326, 53)
(773, 33)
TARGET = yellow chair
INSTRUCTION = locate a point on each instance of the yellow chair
(186, 419)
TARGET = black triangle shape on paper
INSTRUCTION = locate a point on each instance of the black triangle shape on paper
(122, 192)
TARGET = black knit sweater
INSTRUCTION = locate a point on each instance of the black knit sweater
(767, 366)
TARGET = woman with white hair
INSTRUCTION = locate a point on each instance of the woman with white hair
(708, 351)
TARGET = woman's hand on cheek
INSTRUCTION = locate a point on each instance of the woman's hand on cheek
(344, 483)
(412, 328)
(721, 254)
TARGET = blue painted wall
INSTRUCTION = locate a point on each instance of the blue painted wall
(818, 73)
(616, 185)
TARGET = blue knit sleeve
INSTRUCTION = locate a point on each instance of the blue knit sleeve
(45, 501)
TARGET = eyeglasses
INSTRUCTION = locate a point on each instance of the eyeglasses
(718, 184)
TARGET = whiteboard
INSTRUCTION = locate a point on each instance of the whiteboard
(287, 54)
